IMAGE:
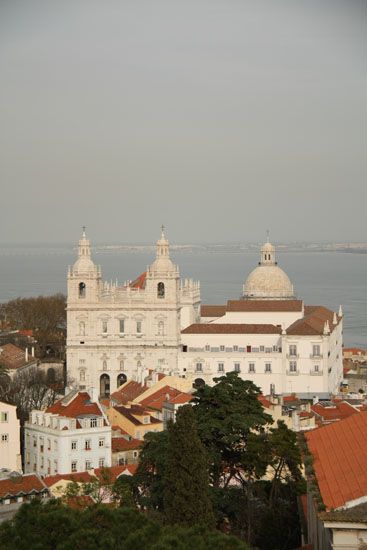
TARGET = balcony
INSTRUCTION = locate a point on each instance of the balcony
(316, 372)
(292, 372)
(292, 356)
(316, 356)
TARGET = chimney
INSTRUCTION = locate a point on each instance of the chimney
(32, 351)
(93, 394)
(26, 355)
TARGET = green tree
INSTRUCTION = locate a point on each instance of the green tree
(186, 481)
(231, 422)
(151, 470)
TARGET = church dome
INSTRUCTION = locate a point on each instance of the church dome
(162, 263)
(84, 264)
(268, 281)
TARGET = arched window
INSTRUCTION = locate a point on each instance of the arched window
(121, 379)
(82, 288)
(81, 328)
(160, 328)
(104, 385)
(160, 290)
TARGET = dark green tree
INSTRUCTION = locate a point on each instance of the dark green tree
(231, 422)
(186, 481)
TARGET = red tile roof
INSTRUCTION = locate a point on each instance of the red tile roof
(78, 477)
(181, 398)
(337, 411)
(264, 305)
(13, 357)
(136, 410)
(355, 351)
(122, 444)
(21, 485)
(212, 311)
(79, 406)
(128, 392)
(155, 400)
(231, 328)
(313, 321)
(340, 458)
(139, 282)
(264, 401)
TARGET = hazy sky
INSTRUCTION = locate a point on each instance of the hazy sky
(218, 118)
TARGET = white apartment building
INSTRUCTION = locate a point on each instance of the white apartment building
(116, 333)
(10, 457)
(73, 435)
(268, 336)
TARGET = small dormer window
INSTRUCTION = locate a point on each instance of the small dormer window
(160, 290)
(82, 288)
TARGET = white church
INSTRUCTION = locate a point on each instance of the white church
(157, 323)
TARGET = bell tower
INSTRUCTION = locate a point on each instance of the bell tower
(84, 276)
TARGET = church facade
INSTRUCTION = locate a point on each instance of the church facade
(155, 323)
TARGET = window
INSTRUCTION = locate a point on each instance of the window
(81, 362)
(87, 445)
(235, 348)
(82, 375)
(74, 466)
(267, 367)
(81, 328)
(55, 466)
(251, 367)
(248, 349)
(237, 367)
(138, 326)
(207, 347)
(160, 290)
(293, 350)
(262, 348)
(101, 443)
(222, 348)
(122, 325)
(101, 462)
(316, 351)
(49, 444)
(316, 368)
(74, 445)
(4, 438)
(93, 422)
(4, 417)
(104, 327)
(82, 289)
(293, 366)
(220, 367)
(199, 367)
(49, 466)
(34, 441)
(88, 465)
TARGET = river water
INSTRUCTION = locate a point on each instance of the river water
(327, 278)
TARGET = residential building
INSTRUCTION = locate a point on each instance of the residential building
(73, 435)
(339, 453)
(10, 457)
(135, 420)
(15, 359)
(15, 489)
(125, 450)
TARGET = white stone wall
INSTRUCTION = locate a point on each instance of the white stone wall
(9, 438)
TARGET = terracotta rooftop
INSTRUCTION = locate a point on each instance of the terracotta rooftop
(231, 328)
(313, 322)
(139, 282)
(13, 357)
(26, 484)
(334, 412)
(122, 444)
(78, 477)
(212, 311)
(340, 458)
(264, 401)
(181, 398)
(128, 392)
(355, 351)
(264, 305)
(156, 399)
(136, 410)
(80, 405)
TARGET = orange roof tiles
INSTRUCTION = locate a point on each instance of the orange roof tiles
(78, 477)
(128, 392)
(79, 406)
(264, 401)
(264, 305)
(340, 458)
(337, 411)
(313, 321)
(139, 282)
(122, 444)
(212, 311)
(181, 398)
(231, 328)
(21, 485)
(156, 399)
(13, 357)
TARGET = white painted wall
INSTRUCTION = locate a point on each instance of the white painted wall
(9, 438)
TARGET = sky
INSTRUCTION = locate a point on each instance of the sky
(218, 118)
